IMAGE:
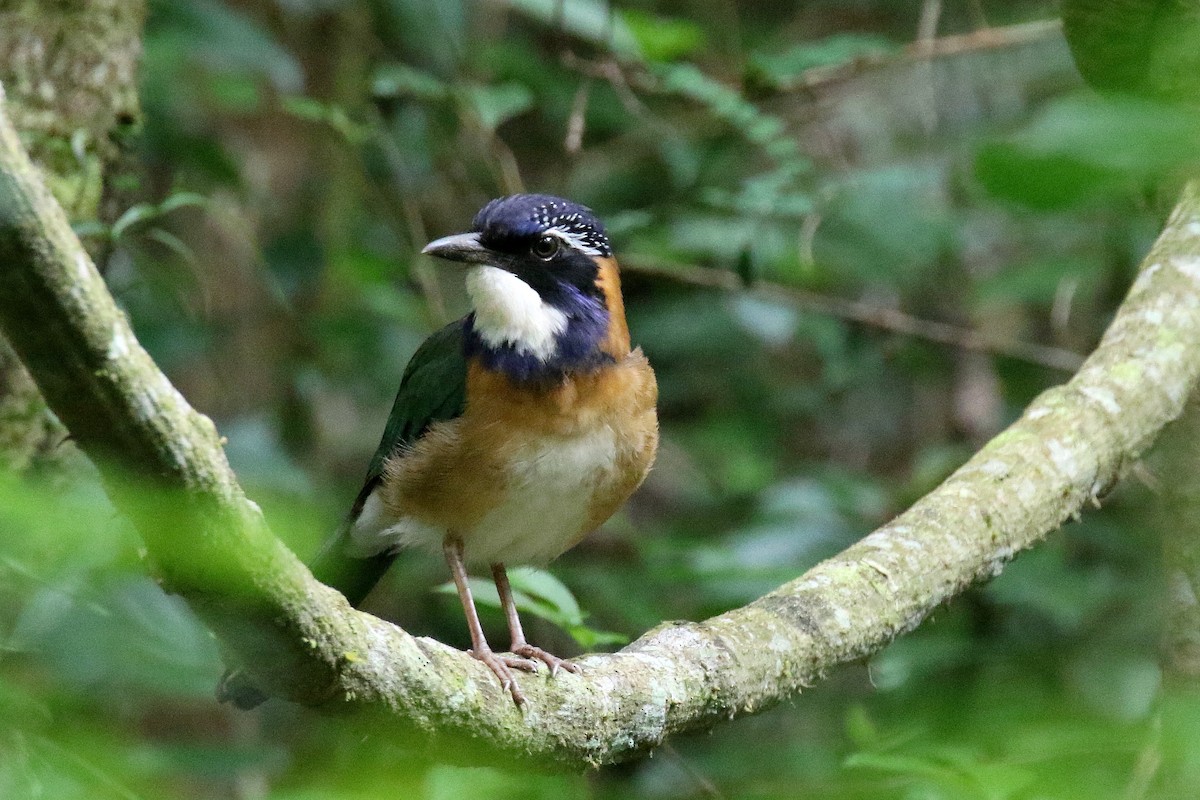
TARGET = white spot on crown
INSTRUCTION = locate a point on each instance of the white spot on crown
(573, 229)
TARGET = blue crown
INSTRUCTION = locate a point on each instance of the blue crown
(518, 218)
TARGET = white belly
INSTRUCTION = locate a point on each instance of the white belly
(550, 482)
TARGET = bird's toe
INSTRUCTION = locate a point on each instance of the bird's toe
(517, 662)
(502, 666)
(549, 659)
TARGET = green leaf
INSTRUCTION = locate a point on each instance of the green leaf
(228, 40)
(182, 200)
(1038, 281)
(545, 588)
(771, 195)
(445, 782)
(1144, 47)
(1085, 148)
(778, 70)
(236, 94)
(885, 225)
(132, 216)
(592, 639)
(482, 590)
(860, 728)
(495, 105)
(142, 213)
(1121, 686)
(1046, 583)
(590, 20)
(762, 129)
(909, 766)
(663, 38)
(172, 243)
(401, 80)
(91, 227)
(334, 116)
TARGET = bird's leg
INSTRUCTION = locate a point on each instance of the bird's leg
(497, 663)
(519, 646)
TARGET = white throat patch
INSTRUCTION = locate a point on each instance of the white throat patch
(510, 311)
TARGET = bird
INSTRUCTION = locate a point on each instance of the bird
(517, 429)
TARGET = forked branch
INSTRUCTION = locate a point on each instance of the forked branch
(305, 643)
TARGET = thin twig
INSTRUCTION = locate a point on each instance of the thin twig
(703, 783)
(624, 76)
(1064, 297)
(1149, 763)
(422, 269)
(510, 170)
(612, 72)
(409, 217)
(577, 122)
(978, 17)
(931, 15)
(888, 319)
(942, 47)
(925, 87)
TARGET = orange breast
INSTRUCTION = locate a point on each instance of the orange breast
(470, 476)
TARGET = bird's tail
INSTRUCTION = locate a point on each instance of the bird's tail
(353, 576)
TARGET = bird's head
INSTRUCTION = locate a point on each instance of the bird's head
(543, 285)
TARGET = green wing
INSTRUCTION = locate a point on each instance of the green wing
(433, 389)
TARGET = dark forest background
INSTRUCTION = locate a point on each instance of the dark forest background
(858, 238)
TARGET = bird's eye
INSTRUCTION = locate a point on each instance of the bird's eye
(545, 248)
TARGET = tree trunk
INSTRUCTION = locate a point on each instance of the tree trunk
(69, 70)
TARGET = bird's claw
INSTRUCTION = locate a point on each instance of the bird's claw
(516, 662)
(524, 657)
(501, 666)
(549, 659)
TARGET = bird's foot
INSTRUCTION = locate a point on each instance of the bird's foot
(549, 659)
(502, 665)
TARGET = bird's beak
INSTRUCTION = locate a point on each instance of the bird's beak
(459, 247)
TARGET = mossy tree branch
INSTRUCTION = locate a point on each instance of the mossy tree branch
(302, 641)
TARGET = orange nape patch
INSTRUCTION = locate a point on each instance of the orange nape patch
(616, 341)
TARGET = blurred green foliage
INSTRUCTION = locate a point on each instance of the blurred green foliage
(329, 140)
